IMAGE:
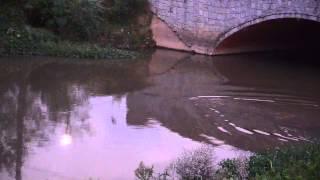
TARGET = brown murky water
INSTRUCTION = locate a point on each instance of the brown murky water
(62, 119)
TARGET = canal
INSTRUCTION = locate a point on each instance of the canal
(63, 119)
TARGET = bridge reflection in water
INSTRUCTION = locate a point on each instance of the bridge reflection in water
(242, 100)
(70, 120)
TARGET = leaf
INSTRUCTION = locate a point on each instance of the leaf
(61, 21)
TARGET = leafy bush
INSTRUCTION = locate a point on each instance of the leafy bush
(9, 15)
(302, 162)
(230, 168)
(18, 40)
(233, 169)
(74, 19)
(32, 41)
(82, 50)
(292, 163)
(197, 164)
(122, 11)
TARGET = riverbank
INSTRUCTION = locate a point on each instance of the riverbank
(75, 29)
(18, 42)
(295, 162)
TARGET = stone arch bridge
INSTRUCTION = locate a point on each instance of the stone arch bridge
(201, 25)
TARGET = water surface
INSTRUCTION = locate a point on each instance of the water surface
(65, 119)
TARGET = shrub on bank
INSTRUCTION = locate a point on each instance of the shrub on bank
(75, 50)
(123, 11)
(195, 164)
(233, 169)
(128, 24)
(70, 19)
(32, 41)
(298, 162)
(301, 162)
(82, 27)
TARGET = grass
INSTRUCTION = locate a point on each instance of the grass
(32, 41)
(70, 49)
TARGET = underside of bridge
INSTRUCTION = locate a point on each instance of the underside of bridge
(271, 35)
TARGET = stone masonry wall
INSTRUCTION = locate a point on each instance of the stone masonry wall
(203, 24)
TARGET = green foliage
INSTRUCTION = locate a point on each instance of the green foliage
(74, 19)
(18, 40)
(193, 165)
(301, 162)
(143, 172)
(32, 41)
(55, 28)
(10, 15)
(81, 50)
(292, 163)
(230, 169)
(233, 169)
(122, 11)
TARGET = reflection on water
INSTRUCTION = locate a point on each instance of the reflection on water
(64, 119)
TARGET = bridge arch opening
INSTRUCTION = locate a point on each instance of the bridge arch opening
(274, 34)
